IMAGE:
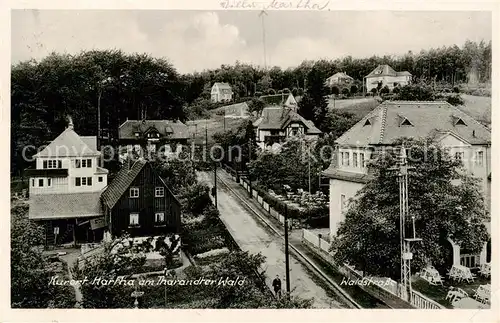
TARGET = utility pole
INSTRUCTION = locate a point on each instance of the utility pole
(287, 259)
(206, 138)
(248, 167)
(215, 184)
(224, 119)
(405, 243)
(262, 14)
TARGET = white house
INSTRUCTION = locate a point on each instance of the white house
(466, 139)
(221, 92)
(386, 75)
(340, 78)
(277, 124)
(65, 186)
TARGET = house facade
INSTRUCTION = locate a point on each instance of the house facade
(465, 138)
(277, 124)
(221, 92)
(138, 202)
(386, 76)
(340, 78)
(153, 137)
(65, 186)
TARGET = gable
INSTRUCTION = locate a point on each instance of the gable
(450, 140)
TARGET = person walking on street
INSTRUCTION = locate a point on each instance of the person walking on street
(277, 286)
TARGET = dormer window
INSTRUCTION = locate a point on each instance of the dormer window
(406, 122)
(137, 135)
(367, 123)
(460, 122)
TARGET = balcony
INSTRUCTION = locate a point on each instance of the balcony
(50, 172)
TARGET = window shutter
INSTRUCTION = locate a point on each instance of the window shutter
(44, 164)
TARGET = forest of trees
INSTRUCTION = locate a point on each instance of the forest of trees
(44, 93)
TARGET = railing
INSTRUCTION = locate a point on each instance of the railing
(470, 261)
(420, 301)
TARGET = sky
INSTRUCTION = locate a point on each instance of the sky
(198, 40)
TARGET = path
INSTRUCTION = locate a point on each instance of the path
(252, 237)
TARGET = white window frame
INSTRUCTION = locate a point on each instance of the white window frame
(134, 192)
(461, 154)
(160, 215)
(83, 181)
(362, 160)
(100, 179)
(40, 180)
(159, 189)
(479, 161)
(133, 219)
(355, 159)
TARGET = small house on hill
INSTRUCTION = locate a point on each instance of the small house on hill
(221, 92)
(140, 203)
(340, 78)
(384, 75)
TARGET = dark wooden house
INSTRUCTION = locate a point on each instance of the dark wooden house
(139, 202)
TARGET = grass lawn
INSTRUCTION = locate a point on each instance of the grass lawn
(438, 293)
(478, 107)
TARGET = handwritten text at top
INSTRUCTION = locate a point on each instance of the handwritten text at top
(275, 4)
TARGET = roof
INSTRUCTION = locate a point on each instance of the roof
(223, 86)
(90, 141)
(239, 109)
(276, 99)
(405, 73)
(100, 170)
(427, 118)
(333, 172)
(383, 70)
(69, 144)
(280, 117)
(122, 181)
(70, 205)
(341, 75)
(172, 129)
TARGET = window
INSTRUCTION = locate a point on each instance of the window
(460, 122)
(33, 183)
(367, 123)
(52, 163)
(159, 191)
(479, 158)
(362, 160)
(89, 181)
(134, 219)
(459, 155)
(49, 182)
(345, 159)
(159, 217)
(99, 179)
(78, 181)
(355, 159)
(134, 192)
(84, 163)
(406, 122)
(40, 182)
(83, 181)
(89, 163)
(342, 202)
(77, 163)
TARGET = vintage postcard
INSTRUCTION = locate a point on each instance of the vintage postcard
(283, 155)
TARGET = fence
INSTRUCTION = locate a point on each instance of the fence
(381, 287)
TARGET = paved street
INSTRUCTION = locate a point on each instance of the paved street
(252, 237)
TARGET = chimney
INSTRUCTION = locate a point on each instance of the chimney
(70, 123)
(473, 133)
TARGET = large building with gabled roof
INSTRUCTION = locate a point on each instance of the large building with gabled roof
(465, 138)
(65, 186)
(384, 75)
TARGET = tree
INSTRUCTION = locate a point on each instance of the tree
(335, 90)
(264, 84)
(385, 90)
(368, 238)
(256, 105)
(374, 91)
(345, 91)
(416, 92)
(314, 104)
(354, 89)
(30, 271)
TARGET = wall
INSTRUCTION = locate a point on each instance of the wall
(337, 188)
(351, 151)
(386, 80)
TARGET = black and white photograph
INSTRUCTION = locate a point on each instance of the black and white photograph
(251, 159)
